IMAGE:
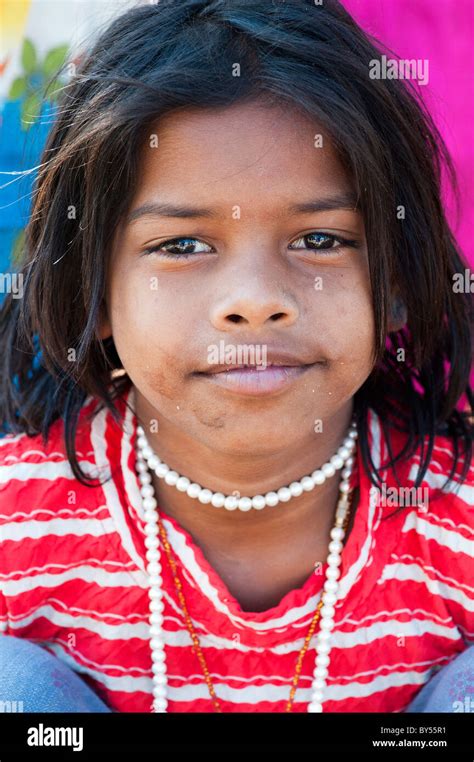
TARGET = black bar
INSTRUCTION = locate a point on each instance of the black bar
(375, 735)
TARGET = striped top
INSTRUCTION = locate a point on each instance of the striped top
(72, 578)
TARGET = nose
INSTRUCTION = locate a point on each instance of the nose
(253, 306)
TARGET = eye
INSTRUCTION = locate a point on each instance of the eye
(319, 241)
(184, 248)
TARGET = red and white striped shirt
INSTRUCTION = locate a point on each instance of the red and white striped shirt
(73, 578)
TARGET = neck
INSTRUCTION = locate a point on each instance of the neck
(250, 474)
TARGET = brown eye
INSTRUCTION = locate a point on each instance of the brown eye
(318, 241)
(183, 248)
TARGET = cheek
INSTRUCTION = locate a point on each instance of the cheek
(359, 329)
(147, 315)
(149, 333)
(346, 323)
(343, 317)
(139, 324)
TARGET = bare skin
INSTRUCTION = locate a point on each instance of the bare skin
(244, 285)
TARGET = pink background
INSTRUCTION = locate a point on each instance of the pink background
(441, 31)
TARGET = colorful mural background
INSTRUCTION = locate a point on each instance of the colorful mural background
(37, 38)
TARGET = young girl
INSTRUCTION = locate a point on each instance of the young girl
(238, 476)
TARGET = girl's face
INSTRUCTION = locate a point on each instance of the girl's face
(258, 274)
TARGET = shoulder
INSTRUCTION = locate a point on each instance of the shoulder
(449, 495)
(47, 515)
(435, 513)
(36, 475)
(434, 525)
(49, 519)
(27, 467)
(445, 486)
(437, 520)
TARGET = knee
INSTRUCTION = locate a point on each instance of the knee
(459, 681)
(40, 681)
(23, 660)
(450, 690)
(26, 669)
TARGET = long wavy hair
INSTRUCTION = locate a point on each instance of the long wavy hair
(171, 55)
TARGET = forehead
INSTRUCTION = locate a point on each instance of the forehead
(242, 150)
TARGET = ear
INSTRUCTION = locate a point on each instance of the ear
(105, 329)
(398, 313)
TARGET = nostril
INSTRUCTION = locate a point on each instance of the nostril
(277, 315)
(234, 318)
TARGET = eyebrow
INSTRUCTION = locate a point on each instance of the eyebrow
(347, 201)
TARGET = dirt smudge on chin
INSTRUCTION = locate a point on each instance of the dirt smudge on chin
(209, 419)
(164, 384)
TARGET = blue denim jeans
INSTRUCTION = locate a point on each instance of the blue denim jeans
(43, 683)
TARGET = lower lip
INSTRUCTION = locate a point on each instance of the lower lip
(255, 382)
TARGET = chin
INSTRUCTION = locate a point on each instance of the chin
(246, 443)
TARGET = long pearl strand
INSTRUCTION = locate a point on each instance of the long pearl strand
(154, 569)
(232, 502)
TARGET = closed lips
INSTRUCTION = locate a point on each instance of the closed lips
(271, 361)
(251, 368)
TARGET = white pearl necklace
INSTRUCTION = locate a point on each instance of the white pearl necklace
(231, 502)
(154, 568)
